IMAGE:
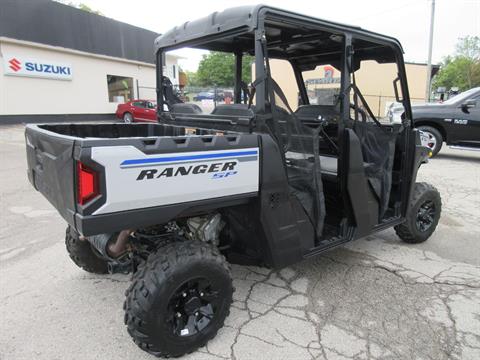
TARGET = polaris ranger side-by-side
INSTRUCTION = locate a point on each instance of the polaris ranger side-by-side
(260, 181)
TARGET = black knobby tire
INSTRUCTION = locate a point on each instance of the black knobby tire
(148, 314)
(438, 138)
(83, 255)
(413, 230)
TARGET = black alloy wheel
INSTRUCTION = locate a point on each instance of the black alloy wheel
(425, 216)
(422, 216)
(179, 298)
(192, 307)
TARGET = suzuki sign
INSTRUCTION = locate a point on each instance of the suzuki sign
(32, 67)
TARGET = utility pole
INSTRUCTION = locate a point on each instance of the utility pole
(428, 89)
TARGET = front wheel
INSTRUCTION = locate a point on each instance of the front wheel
(433, 139)
(128, 118)
(423, 214)
(179, 299)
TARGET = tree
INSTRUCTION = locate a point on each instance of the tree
(80, 6)
(461, 70)
(469, 47)
(218, 68)
(192, 79)
(87, 8)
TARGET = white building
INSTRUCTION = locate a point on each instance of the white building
(60, 63)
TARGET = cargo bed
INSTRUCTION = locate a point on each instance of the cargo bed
(107, 177)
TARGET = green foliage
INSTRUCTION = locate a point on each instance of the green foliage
(81, 6)
(469, 47)
(462, 69)
(218, 68)
(192, 79)
(87, 8)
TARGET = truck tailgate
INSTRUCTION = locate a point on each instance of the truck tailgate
(51, 169)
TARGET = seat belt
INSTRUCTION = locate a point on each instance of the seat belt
(253, 85)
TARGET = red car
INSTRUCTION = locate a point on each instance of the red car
(137, 111)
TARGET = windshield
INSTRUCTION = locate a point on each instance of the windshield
(462, 96)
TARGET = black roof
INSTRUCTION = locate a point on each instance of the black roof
(52, 23)
(201, 33)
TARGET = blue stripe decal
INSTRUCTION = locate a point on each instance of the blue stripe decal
(189, 157)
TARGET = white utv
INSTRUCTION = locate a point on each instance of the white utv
(251, 183)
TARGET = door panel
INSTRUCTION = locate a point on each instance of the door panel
(364, 204)
(139, 110)
(151, 112)
(467, 122)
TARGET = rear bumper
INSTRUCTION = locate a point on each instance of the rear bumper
(89, 225)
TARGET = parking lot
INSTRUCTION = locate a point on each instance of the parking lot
(377, 298)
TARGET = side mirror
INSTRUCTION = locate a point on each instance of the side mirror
(470, 103)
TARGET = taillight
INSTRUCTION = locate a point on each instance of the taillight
(87, 184)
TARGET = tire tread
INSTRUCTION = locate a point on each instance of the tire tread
(403, 230)
(82, 254)
(148, 280)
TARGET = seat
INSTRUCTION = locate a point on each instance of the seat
(234, 110)
(186, 108)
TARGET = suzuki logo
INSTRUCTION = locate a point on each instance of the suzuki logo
(18, 65)
(15, 64)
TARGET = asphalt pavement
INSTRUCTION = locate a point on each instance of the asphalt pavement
(376, 298)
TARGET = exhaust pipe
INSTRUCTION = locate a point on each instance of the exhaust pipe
(119, 247)
(110, 247)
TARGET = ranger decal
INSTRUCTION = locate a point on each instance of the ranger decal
(148, 174)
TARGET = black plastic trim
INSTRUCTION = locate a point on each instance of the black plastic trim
(54, 118)
(105, 223)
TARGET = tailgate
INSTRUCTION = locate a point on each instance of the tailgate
(51, 168)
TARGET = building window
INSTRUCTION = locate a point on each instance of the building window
(174, 74)
(120, 88)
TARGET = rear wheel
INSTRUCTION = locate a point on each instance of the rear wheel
(423, 214)
(433, 139)
(128, 118)
(83, 255)
(179, 299)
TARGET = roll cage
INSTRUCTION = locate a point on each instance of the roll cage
(373, 163)
(269, 33)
